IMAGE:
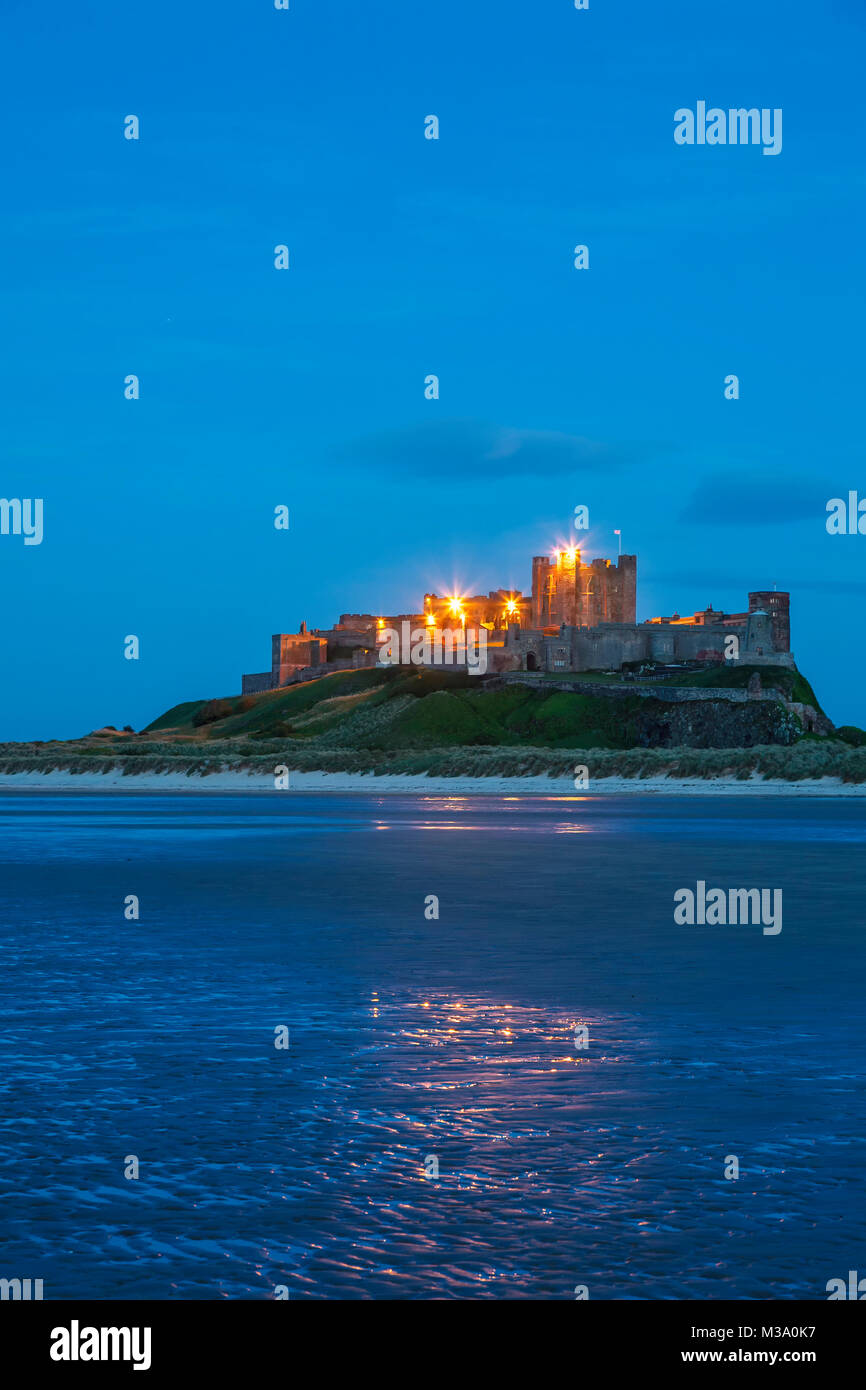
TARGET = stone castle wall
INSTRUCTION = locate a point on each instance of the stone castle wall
(610, 645)
(669, 694)
(256, 683)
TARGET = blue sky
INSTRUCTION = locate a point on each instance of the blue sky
(410, 257)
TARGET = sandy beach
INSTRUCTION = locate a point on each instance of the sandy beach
(151, 782)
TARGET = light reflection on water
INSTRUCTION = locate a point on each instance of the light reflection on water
(566, 828)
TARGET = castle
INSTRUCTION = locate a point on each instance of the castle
(579, 617)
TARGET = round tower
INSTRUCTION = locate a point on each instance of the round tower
(759, 633)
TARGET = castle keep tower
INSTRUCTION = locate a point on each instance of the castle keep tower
(567, 591)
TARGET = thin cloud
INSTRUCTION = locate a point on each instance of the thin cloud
(476, 450)
(747, 499)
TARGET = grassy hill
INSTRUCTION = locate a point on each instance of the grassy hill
(382, 708)
(250, 714)
(391, 709)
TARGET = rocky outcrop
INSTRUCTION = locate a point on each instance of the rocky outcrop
(715, 724)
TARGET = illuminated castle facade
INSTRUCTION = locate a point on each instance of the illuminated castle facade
(565, 591)
(579, 617)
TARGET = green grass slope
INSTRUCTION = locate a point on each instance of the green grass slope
(399, 709)
(248, 714)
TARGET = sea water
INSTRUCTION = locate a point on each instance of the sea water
(304, 1170)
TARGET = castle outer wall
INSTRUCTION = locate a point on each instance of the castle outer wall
(609, 646)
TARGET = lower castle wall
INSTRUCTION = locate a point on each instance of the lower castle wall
(264, 680)
(671, 694)
(610, 645)
(255, 684)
